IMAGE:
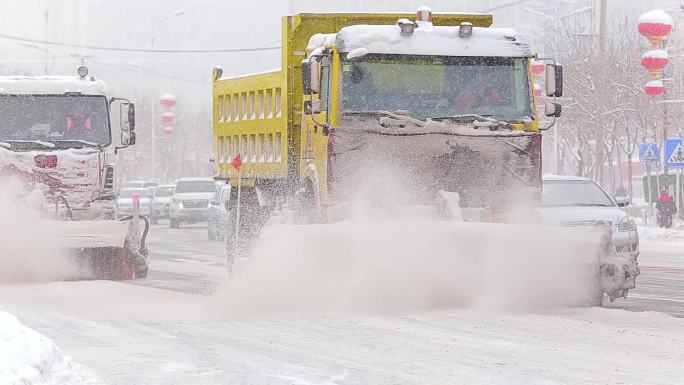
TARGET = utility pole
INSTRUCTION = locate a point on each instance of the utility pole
(600, 139)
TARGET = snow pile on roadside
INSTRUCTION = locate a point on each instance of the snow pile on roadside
(29, 358)
(675, 235)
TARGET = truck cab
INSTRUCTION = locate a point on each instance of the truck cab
(56, 137)
(388, 109)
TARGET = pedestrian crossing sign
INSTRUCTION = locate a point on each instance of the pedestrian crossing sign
(674, 153)
(648, 152)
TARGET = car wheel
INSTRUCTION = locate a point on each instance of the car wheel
(211, 232)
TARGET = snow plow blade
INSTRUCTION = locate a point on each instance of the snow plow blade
(101, 249)
(426, 263)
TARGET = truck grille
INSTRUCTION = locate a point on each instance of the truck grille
(195, 203)
(109, 177)
(587, 223)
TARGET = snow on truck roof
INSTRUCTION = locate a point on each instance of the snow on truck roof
(426, 40)
(50, 85)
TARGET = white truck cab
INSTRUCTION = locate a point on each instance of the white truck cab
(56, 135)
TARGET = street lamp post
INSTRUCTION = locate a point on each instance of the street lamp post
(46, 18)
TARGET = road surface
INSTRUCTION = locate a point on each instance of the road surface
(169, 329)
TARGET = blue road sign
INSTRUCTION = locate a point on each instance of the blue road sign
(649, 152)
(674, 153)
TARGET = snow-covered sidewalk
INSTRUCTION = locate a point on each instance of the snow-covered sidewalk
(675, 234)
(29, 358)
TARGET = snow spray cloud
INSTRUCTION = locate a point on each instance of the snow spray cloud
(376, 266)
(28, 253)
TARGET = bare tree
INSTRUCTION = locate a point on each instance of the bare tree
(604, 98)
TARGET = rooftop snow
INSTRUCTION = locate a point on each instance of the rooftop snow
(427, 40)
(48, 85)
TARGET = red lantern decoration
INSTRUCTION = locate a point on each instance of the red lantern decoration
(168, 117)
(654, 61)
(167, 101)
(654, 88)
(655, 25)
(168, 131)
(537, 90)
(538, 67)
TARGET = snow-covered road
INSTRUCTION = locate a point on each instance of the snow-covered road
(167, 330)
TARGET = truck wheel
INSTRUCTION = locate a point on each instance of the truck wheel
(597, 296)
(142, 272)
(252, 217)
(306, 199)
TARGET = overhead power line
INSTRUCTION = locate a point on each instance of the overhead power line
(504, 6)
(142, 50)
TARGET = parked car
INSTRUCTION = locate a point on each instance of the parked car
(578, 201)
(161, 199)
(124, 202)
(136, 184)
(218, 215)
(191, 200)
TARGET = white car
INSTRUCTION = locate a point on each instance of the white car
(191, 200)
(161, 200)
(137, 184)
(124, 202)
(578, 201)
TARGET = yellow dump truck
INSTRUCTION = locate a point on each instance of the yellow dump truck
(386, 109)
(389, 116)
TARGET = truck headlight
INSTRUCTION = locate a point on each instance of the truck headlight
(627, 224)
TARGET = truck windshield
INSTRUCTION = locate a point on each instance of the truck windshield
(66, 121)
(432, 86)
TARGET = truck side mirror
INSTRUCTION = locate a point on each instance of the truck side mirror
(553, 109)
(554, 80)
(312, 107)
(311, 76)
(131, 116)
(127, 116)
(622, 201)
(125, 139)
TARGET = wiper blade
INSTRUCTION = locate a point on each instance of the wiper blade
(467, 118)
(574, 205)
(592, 205)
(399, 115)
(477, 121)
(85, 142)
(402, 113)
(38, 142)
